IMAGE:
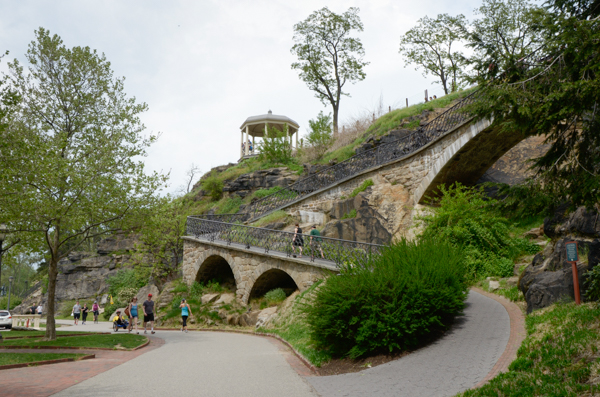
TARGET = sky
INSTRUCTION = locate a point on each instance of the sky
(203, 67)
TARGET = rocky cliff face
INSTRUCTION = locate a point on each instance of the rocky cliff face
(549, 279)
(261, 179)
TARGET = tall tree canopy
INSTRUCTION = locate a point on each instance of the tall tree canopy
(432, 46)
(328, 56)
(556, 92)
(70, 153)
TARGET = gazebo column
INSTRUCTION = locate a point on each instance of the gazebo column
(296, 139)
(242, 145)
(247, 149)
(253, 145)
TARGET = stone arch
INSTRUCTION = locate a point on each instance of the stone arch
(219, 266)
(270, 279)
(476, 149)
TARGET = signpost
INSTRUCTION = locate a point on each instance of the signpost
(573, 257)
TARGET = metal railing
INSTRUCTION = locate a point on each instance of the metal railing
(382, 154)
(339, 252)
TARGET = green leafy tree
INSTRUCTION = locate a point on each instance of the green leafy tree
(70, 153)
(555, 92)
(275, 147)
(506, 30)
(213, 186)
(432, 47)
(328, 56)
(320, 136)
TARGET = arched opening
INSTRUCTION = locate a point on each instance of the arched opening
(270, 280)
(216, 269)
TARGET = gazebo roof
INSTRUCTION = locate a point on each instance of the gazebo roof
(256, 124)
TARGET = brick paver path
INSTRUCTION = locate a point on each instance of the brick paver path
(456, 362)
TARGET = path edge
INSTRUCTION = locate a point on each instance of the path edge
(46, 362)
(517, 335)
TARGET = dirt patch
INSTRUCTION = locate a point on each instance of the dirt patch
(345, 365)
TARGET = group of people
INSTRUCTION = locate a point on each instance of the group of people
(298, 240)
(35, 309)
(82, 312)
(131, 313)
(250, 147)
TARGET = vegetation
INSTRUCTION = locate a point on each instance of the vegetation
(272, 217)
(213, 186)
(467, 219)
(320, 136)
(432, 45)
(559, 357)
(275, 296)
(14, 302)
(128, 341)
(363, 186)
(349, 215)
(397, 302)
(20, 358)
(275, 147)
(328, 57)
(71, 150)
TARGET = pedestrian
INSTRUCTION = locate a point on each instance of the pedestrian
(315, 241)
(149, 313)
(84, 313)
(96, 311)
(297, 240)
(40, 309)
(434, 97)
(76, 312)
(32, 309)
(186, 311)
(133, 314)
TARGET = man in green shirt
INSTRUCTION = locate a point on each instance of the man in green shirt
(315, 240)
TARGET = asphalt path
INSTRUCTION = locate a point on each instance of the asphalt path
(228, 364)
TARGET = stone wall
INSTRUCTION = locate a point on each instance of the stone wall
(246, 266)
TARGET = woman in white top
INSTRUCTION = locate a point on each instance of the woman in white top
(39, 309)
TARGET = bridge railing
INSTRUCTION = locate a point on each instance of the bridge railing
(339, 252)
(379, 155)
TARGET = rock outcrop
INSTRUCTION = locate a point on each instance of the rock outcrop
(549, 279)
(261, 179)
(365, 226)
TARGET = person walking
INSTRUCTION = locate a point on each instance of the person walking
(76, 312)
(96, 311)
(84, 313)
(297, 240)
(315, 241)
(148, 306)
(133, 314)
(186, 311)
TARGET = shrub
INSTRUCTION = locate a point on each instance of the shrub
(213, 186)
(351, 214)
(361, 188)
(398, 301)
(275, 147)
(196, 289)
(14, 302)
(468, 219)
(275, 296)
(320, 136)
(128, 278)
(230, 206)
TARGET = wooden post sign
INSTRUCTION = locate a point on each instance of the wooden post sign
(573, 257)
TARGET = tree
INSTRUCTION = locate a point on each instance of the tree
(320, 135)
(328, 56)
(275, 147)
(431, 46)
(507, 30)
(556, 92)
(70, 154)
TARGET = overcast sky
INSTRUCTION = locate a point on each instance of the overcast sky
(203, 66)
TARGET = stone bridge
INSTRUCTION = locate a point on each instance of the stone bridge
(250, 271)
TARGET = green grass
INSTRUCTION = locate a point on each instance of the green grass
(393, 119)
(511, 293)
(361, 188)
(559, 357)
(272, 217)
(19, 358)
(351, 214)
(21, 334)
(128, 341)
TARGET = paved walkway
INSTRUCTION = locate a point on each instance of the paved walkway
(229, 364)
(454, 363)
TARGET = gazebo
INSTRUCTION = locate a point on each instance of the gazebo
(256, 126)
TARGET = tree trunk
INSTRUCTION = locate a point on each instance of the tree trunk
(335, 121)
(50, 324)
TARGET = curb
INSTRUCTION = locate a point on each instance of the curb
(58, 336)
(517, 335)
(262, 334)
(74, 347)
(46, 362)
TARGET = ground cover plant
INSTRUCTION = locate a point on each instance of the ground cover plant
(111, 341)
(469, 220)
(19, 358)
(396, 302)
(559, 357)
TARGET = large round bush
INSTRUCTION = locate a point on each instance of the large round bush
(398, 301)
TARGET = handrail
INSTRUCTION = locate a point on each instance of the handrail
(337, 251)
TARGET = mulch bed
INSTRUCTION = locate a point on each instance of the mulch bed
(339, 366)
